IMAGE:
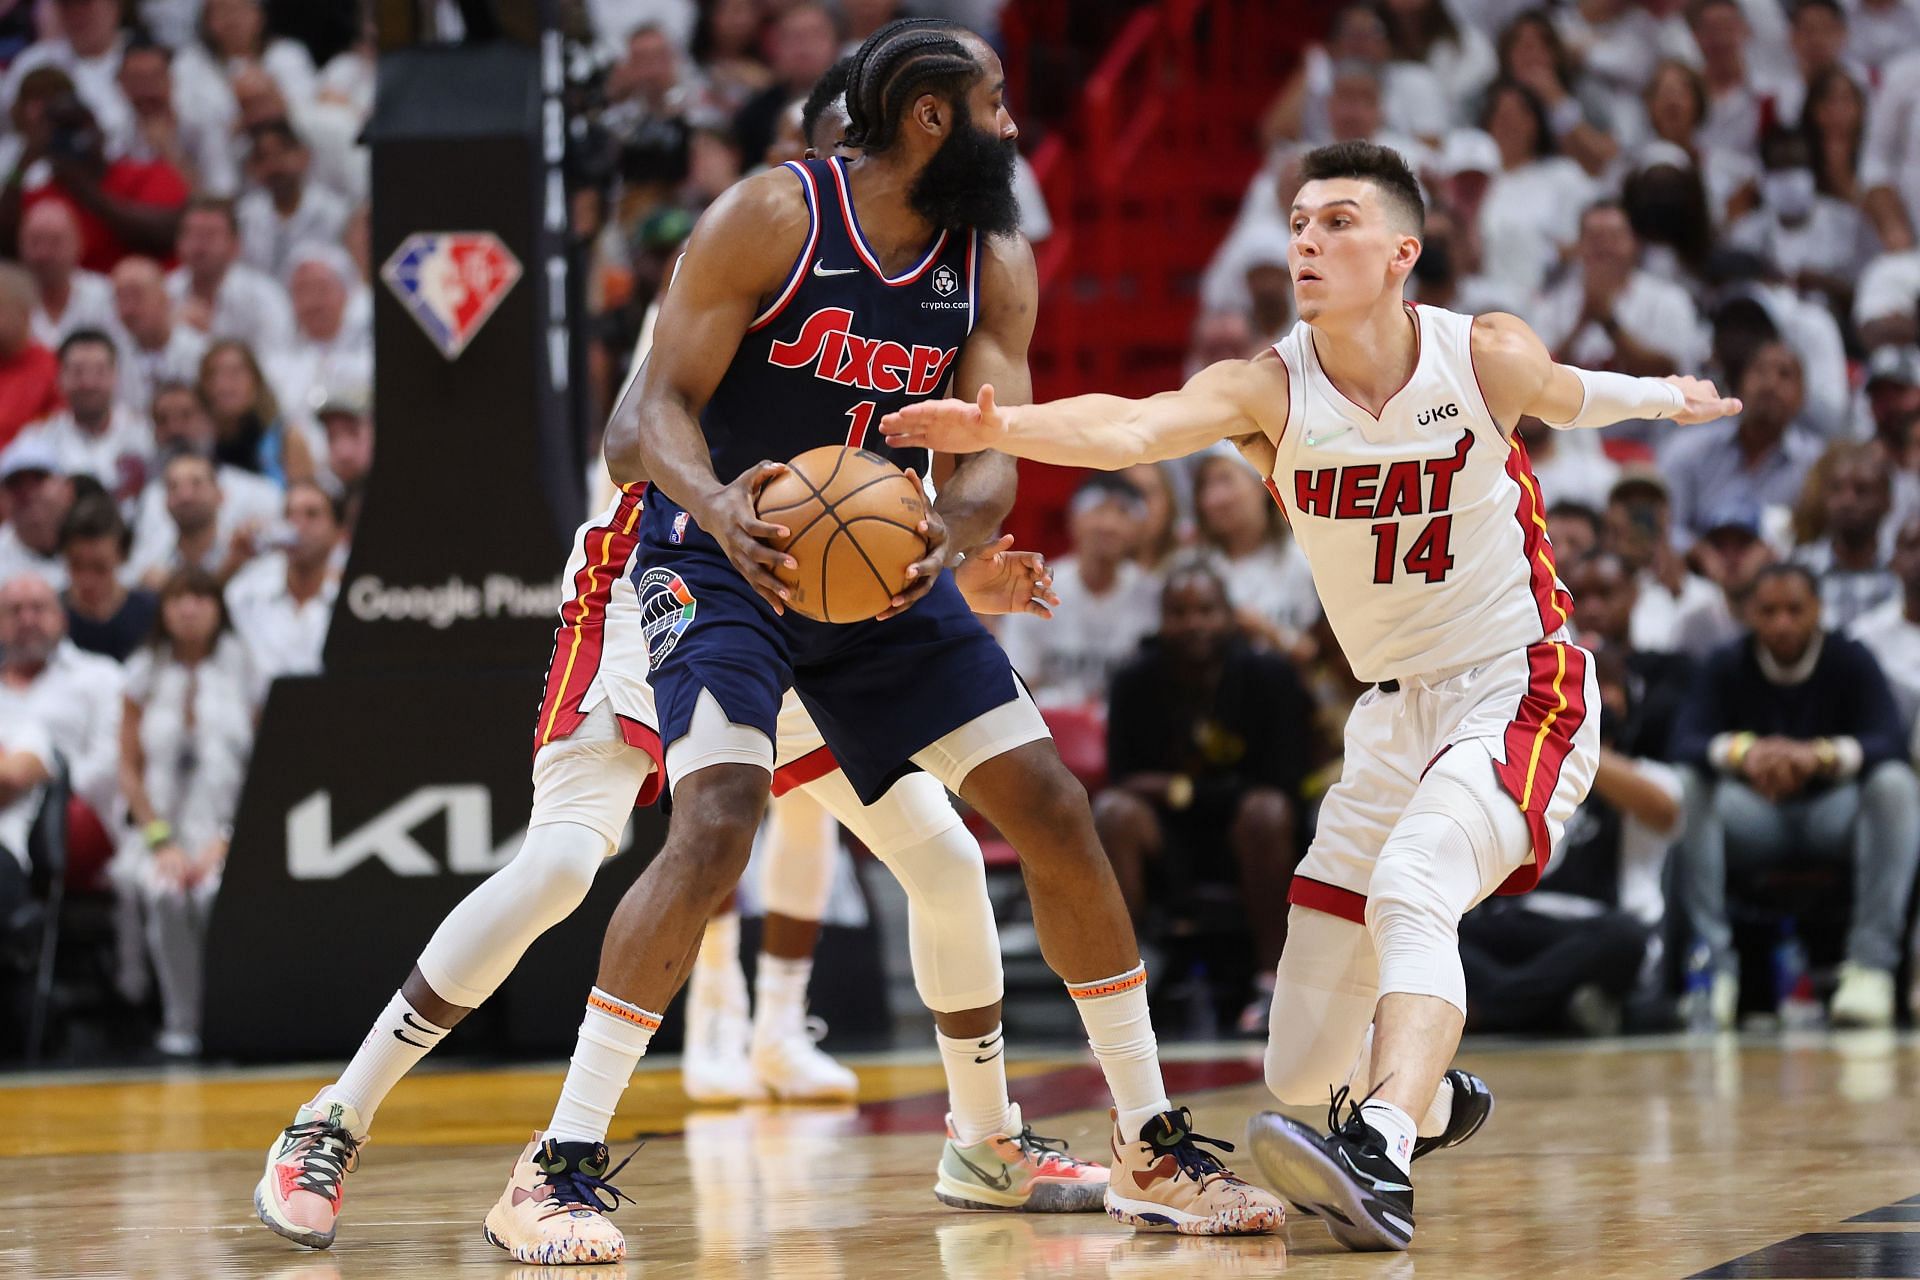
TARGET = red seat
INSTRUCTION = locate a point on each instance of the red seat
(1080, 735)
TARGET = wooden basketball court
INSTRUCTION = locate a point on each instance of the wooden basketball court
(1722, 1158)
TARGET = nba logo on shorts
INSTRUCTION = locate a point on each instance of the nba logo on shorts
(679, 534)
(666, 611)
(945, 281)
(450, 282)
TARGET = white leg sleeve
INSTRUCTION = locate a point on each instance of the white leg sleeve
(950, 930)
(800, 853)
(1323, 997)
(483, 938)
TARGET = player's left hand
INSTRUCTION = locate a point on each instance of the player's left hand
(995, 579)
(1704, 401)
(922, 572)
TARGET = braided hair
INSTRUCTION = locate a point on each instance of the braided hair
(895, 65)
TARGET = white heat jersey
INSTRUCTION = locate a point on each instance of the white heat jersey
(1424, 527)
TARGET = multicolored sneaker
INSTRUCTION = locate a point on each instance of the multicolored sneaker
(1163, 1181)
(299, 1195)
(1025, 1172)
(554, 1210)
(1344, 1177)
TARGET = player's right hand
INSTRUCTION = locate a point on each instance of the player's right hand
(733, 519)
(947, 426)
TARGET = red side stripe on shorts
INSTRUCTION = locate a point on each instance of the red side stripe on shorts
(645, 738)
(1553, 601)
(1538, 741)
(811, 767)
(1318, 895)
(579, 638)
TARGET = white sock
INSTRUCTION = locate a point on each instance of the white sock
(1439, 1112)
(716, 977)
(976, 1085)
(399, 1038)
(779, 996)
(1120, 1033)
(720, 944)
(1396, 1126)
(613, 1038)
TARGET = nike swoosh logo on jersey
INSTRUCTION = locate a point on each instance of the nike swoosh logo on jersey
(820, 268)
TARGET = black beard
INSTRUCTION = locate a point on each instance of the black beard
(968, 183)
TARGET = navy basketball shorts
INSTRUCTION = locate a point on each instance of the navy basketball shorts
(928, 689)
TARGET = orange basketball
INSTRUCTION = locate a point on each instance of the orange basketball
(854, 528)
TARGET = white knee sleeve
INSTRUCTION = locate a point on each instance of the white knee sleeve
(483, 938)
(1323, 998)
(798, 859)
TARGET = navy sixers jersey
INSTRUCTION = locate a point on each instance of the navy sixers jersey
(842, 344)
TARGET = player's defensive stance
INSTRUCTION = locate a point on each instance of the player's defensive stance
(1386, 433)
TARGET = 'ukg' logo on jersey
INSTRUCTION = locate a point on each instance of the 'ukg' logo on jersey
(450, 282)
(827, 342)
(666, 611)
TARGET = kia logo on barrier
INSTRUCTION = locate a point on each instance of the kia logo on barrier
(314, 854)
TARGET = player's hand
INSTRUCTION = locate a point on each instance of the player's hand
(994, 579)
(729, 516)
(1704, 401)
(922, 572)
(947, 426)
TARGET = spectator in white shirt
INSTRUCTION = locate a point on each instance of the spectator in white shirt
(1247, 539)
(185, 123)
(1818, 243)
(1107, 602)
(1878, 31)
(1532, 207)
(39, 496)
(1841, 517)
(283, 602)
(26, 762)
(1670, 600)
(96, 435)
(327, 350)
(1736, 104)
(1890, 156)
(196, 536)
(154, 348)
(73, 694)
(1412, 98)
(1611, 314)
(1886, 307)
(1892, 633)
(216, 293)
(70, 298)
(248, 500)
(285, 209)
(1424, 32)
(233, 38)
(1676, 105)
(88, 51)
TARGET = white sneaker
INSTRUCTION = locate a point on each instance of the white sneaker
(1725, 998)
(714, 1065)
(1864, 999)
(788, 1060)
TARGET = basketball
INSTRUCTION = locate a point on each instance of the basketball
(854, 528)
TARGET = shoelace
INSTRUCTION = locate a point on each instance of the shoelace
(1043, 1148)
(1343, 1098)
(575, 1188)
(1195, 1163)
(815, 1028)
(327, 1154)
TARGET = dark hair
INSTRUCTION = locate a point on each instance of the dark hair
(701, 47)
(221, 205)
(1543, 140)
(1567, 509)
(1696, 85)
(95, 516)
(89, 338)
(1668, 205)
(1108, 486)
(894, 66)
(141, 41)
(279, 127)
(1413, 38)
(1197, 566)
(1785, 569)
(825, 90)
(336, 503)
(188, 580)
(1370, 162)
(1831, 6)
(1821, 82)
(265, 406)
(1563, 63)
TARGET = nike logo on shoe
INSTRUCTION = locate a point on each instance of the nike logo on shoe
(1365, 1177)
(999, 1182)
(820, 268)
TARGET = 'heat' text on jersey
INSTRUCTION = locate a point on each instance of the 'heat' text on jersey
(1370, 491)
(827, 342)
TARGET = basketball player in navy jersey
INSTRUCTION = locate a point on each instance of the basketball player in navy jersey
(813, 300)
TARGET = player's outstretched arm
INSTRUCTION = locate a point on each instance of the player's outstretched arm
(1232, 399)
(1521, 379)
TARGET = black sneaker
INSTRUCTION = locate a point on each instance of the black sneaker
(1343, 1177)
(1472, 1104)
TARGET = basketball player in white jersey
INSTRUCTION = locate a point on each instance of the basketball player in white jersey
(1386, 431)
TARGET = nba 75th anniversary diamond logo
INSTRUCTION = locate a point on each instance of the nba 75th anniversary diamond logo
(450, 282)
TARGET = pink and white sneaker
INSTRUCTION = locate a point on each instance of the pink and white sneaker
(554, 1209)
(300, 1194)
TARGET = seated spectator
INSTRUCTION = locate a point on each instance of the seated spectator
(249, 430)
(103, 616)
(1576, 530)
(1412, 101)
(1798, 753)
(1886, 306)
(1891, 633)
(154, 348)
(181, 424)
(283, 601)
(217, 294)
(1737, 96)
(75, 696)
(1674, 106)
(183, 124)
(96, 435)
(1163, 527)
(1879, 31)
(185, 735)
(70, 299)
(1845, 536)
(1834, 121)
(26, 762)
(1609, 313)
(1818, 243)
(804, 42)
(1666, 206)
(39, 495)
(85, 53)
(726, 46)
(1205, 764)
(1531, 208)
(1425, 32)
(1569, 466)
(1890, 155)
(1758, 459)
(326, 350)
(1449, 271)
(1670, 600)
(1246, 536)
(1107, 601)
(1731, 555)
(284, 210)
(1574, 949)
(29, 374)
(197, 537)
(347, 419)
(1653, 684)
(123, 206)
(1532, 53)
(234, 38)
(1891, 395)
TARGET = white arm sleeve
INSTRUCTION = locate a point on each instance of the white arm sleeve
(1616, 397)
